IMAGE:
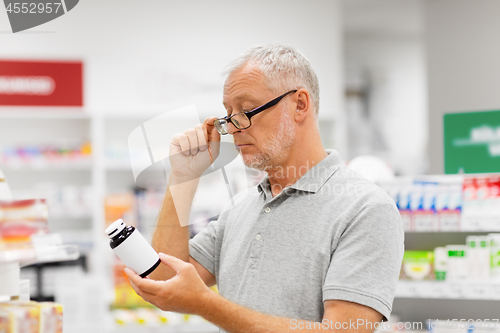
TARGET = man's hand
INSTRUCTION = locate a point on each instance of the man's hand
(185, 292)
(190, 154)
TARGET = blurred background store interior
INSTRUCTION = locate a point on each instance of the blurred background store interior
(389, 71)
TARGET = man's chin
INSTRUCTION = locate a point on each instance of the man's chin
(247, 160)
(251, 162)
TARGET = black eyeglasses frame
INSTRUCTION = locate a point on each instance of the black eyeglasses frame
(253, 112)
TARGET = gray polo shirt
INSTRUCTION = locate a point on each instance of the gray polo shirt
(332, 235)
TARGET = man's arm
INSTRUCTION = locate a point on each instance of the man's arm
(189, 158)
(187, 293)
(339, 316)
(204, 274)
(169, 236)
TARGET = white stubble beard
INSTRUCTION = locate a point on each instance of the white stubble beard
(275, 151)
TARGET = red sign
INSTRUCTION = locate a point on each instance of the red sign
(41, 83)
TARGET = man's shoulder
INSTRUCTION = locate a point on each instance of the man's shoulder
(358, 200)
(348, 186)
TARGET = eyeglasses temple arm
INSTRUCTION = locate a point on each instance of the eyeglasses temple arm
(268, 105)
(263, 107)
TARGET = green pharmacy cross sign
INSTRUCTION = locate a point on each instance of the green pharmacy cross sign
(472, 142)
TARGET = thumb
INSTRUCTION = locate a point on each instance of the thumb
(175, 263)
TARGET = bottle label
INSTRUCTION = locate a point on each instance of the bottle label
(136, 253)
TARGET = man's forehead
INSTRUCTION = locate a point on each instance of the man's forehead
(245, 84)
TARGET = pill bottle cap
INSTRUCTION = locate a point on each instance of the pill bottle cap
(115, 228)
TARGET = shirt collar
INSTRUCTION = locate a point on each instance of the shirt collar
(314, 178)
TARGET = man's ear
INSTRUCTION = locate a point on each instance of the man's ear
(304, 105)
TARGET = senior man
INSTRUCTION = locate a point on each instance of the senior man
(313, 247)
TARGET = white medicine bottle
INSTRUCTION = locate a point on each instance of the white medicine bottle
(132, 248)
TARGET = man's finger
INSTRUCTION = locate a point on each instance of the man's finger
(183, 143)
(202, 137)
(147, 286)
(193, 140)
(145, 295)
(172, 262)
(213, 134)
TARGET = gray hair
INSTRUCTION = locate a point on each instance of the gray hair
(284, 68)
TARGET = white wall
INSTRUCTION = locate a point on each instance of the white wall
(463, 53)
(397, 99)
(157, 55)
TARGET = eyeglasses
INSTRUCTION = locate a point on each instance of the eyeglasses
(242, 120)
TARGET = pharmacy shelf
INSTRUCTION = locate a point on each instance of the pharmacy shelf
(469, 224)
(44, 254)
(470, 290)
(11, 286)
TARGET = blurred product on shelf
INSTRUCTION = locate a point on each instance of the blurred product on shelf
(440, 263)
(21, 219)
(153, 317)
(477, 260)
(66, 201)
(125, 296)
(481, 204)
(142, 316)
(457, 265)
(427, 205)
(494, 244)
(447, 203)
(480, 259)
(72, 155)
(120, 206)
(32, 317)
(417, 265)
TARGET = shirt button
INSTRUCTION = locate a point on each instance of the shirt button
(267, 209)
(257, 237)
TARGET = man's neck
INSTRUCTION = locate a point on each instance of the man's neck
(294, 167)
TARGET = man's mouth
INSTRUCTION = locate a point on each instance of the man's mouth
(241, 145)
